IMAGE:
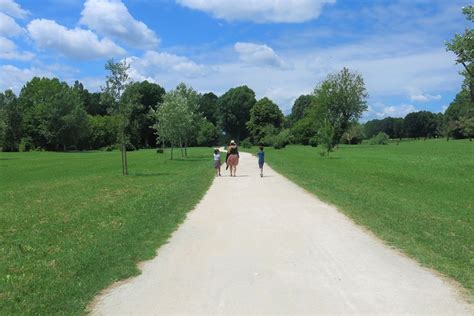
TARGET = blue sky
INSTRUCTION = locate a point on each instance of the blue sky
(281, 49)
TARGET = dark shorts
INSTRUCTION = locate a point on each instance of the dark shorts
(260, 164)
(217, 164)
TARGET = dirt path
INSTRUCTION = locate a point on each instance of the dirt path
(263, 245)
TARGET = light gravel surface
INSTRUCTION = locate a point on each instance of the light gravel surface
(265, 246)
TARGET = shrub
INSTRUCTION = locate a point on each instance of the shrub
(313, 141)
(282, 139)
(380, 139)
(159, 151)
(246, 143)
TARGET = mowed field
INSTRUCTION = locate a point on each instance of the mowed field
(71, 224)
(417, 196)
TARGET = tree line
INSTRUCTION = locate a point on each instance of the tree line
(51, 115)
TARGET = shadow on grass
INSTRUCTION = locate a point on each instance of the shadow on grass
(8, 159)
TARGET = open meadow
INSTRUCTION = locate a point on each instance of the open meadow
(71, 224)
(417, 196)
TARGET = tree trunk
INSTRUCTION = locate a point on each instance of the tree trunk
(123, 160)
(126, 162)
(172, 147)
(186, 149)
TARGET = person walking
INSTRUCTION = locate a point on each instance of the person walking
(217, 162)
(261, 159)
(233, 158)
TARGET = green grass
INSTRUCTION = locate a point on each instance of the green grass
(71, 224)
(417, 196)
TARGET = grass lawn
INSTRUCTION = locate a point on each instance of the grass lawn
(71, 224)
(417, 196)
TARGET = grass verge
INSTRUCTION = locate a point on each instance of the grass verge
(417, 196)
(71, 224)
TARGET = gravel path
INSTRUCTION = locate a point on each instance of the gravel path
(265, 246)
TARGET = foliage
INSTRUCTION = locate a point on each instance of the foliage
(174, 119)
(354, 135)
(379, 139)
(117, 82)
(303, 130)
(462, 45)
(71, 227)
(246, 143)
(263, 114)
(339, 101)
(53, 115)
(389, 125)
(325, 136)
(234, 111)
(314, 141)
(149, 96)
(207, 106)
(302, 103)
(208, 134)
(103, 130)
(420, 124)
(12, 121)
(281, 139)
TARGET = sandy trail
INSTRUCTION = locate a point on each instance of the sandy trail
(265, 246)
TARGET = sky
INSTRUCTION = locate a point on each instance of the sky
(279, 48)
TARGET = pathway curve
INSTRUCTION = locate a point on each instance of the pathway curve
(265, 246)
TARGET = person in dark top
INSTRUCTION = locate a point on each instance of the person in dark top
(232, 158)
(261, 159)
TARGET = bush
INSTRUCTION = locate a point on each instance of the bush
(313, 141)
(380, 139)
(25, 145)
(282, 139)
(159, 151)
(246, 143)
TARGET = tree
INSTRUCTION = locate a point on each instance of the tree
(173, 119)
(115, 85)
(208, 134)
(264, 113)
(339, 101)
(150, 96)
(462, 45)
(303, 130)
(299, 108)
(53, 114)
(12, 120)
(420, 124)
(234, 111)
(354, 135)
(207, 106)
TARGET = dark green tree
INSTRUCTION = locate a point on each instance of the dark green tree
(54, 117)
(262, 114)
(207, 105)
(234, 111)
(420, 124)
(299, 108)
(12, 120)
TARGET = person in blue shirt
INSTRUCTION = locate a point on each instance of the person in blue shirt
(261, 159)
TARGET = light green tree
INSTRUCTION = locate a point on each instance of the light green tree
(116, 83)
(339, 102)
(462, 45)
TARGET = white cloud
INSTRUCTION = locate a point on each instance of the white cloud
(8, 26)
(13, 9)
(380, 110)
(14, 78)
(164, 67)
(260, 11)
(8, 50)
(111, 18)
(76, 43)
(258, 54)
(424, 97)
